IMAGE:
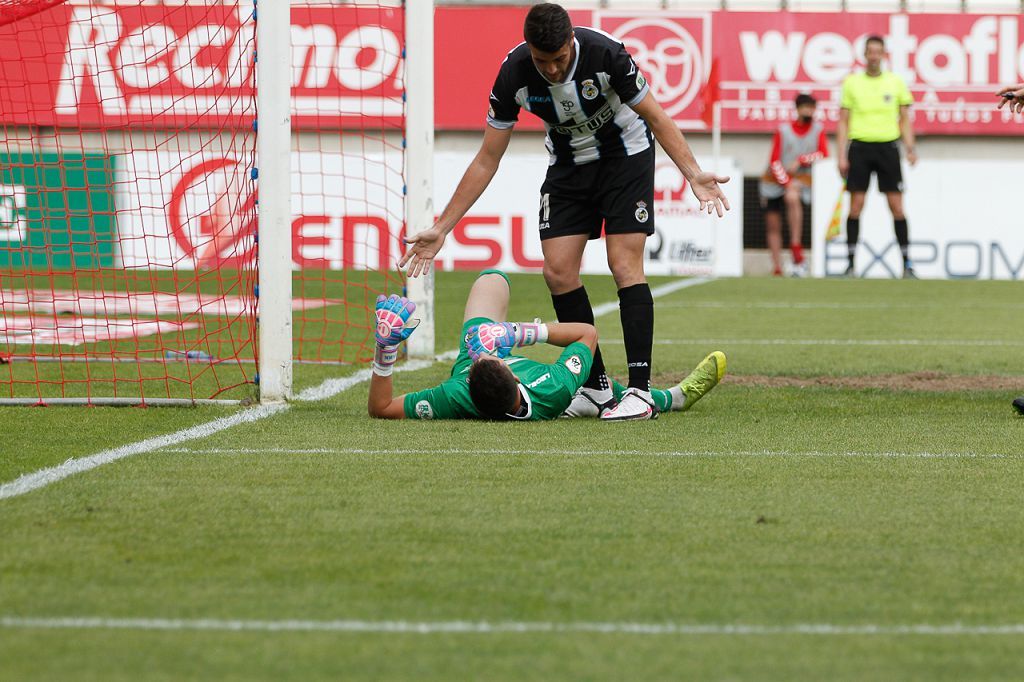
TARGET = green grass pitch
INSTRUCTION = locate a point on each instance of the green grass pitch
(817, 516)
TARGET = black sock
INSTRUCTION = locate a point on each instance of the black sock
(636, 309)
(903, 237)
(574, 306)
(852, 235)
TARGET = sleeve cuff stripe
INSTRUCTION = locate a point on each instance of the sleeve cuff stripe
(640, 95)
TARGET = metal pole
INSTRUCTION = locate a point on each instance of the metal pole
(273, 153)
(419, 158)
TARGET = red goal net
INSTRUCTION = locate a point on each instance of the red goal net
(129, 194)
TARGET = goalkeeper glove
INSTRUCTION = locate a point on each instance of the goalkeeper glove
(393, 327)
(500, 338)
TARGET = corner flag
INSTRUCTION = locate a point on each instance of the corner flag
(837, 216)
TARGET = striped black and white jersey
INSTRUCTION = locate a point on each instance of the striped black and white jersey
(588, 117)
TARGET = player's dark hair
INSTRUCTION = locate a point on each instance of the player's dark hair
(874, 39)
(803, 98)
(493, 388)
(547, 27)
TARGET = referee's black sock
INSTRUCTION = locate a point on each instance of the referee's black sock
(636, 309)
(903, 237)
(852, 235)
(574, 306)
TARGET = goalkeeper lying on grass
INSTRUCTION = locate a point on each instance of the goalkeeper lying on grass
(488, 382)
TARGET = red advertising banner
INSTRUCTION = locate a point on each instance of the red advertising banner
(165, 67)
(953, 63)
(192, 65)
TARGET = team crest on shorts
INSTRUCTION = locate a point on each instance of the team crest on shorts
(641, 212)
(589, 90)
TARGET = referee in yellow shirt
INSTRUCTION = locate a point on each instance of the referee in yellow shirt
(874, 116)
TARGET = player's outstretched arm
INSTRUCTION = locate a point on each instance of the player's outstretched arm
(424, 245)
(704, 185)
(393, 327)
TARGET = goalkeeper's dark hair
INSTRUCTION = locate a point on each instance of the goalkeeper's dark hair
(493, 388)
(874, 38)
(547, 27)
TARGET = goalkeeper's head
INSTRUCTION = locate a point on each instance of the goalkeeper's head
(493, 388)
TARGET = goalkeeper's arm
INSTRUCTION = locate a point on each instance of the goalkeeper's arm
(382, 404)
(393, 327)
(566, 333)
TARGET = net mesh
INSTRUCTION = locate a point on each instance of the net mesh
(348, 188)
(128, 193)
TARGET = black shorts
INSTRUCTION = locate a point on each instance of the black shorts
(773, 204)
(882, 158)
(617, 194)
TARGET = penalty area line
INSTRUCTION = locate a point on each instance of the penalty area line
(507, 627)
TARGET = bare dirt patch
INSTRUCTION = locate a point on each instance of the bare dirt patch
(914, 381)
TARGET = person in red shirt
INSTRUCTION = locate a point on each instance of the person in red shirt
(796, 146)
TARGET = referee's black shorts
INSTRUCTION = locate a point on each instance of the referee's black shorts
(882, 158)
(615, 193)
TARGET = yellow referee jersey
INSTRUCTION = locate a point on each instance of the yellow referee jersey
(874, 103)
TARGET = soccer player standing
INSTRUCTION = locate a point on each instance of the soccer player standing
(874, 116)
(601, 122)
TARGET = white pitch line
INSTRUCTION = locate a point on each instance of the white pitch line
(782, 305)
(44, 477)
(327, 389)
(591, 453)
(508, 627)
(656, 292)
(957, 343)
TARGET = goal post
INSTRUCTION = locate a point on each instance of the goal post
(274, 208)
(419, 159)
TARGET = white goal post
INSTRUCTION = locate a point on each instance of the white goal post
(419, 158)
(273, 154)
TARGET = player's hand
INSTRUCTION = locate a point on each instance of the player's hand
(844, 167)
(911, 156)
(423, 247)
(393, 323)
(712, 198)
(490, 339)
(1012, 95)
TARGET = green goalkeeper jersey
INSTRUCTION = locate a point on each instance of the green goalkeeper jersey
(546, 389)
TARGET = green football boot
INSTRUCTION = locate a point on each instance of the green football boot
(702, 379)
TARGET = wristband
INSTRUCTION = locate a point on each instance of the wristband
(384, 359)
(529, 333)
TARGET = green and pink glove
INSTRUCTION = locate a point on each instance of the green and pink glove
(393, 327)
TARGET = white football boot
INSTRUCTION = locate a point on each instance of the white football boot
(589, 402)
(635, 405)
